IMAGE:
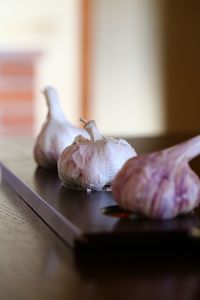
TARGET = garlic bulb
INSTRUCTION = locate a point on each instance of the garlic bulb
(92, 164)
(56, 134)
(161, 184)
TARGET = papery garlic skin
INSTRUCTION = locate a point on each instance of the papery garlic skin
(92, 164)
(160, 185)
(56, 134)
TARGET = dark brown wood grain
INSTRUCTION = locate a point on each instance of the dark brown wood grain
(78, 218)
(36, 264)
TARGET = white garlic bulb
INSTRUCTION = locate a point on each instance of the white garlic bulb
(92, 164)
(161, 184)
(56, 134)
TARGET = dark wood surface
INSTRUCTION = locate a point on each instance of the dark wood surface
(36, 264)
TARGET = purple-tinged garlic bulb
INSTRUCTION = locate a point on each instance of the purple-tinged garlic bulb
(160, 185)
(56, 134)
(93, 163)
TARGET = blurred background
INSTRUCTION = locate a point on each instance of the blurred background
(132, 65)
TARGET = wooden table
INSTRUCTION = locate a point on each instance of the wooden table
(36, 264)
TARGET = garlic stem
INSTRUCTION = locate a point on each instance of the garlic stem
(93, 131)
(53, 103)
(187, 150)
(84, 121)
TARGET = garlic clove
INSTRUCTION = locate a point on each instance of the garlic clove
(160, 185)
(92, 164)
(56, 134)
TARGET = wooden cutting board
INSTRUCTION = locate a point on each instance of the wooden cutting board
(91, 222)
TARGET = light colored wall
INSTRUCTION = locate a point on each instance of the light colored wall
(145, 60)
(52, 27)
(126, 58)
(127, 91)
